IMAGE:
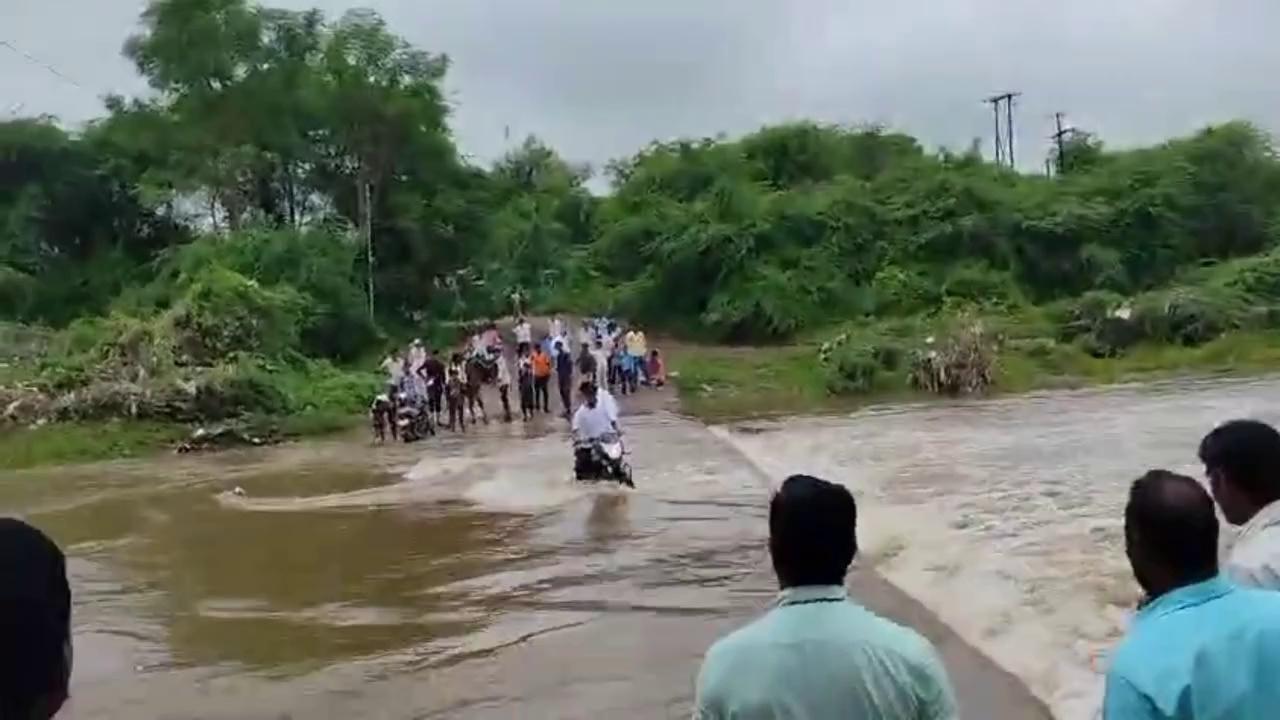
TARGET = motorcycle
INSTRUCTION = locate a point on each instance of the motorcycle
(602, 459)
(413, 422)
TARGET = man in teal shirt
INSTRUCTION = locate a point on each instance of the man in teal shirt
(1200, 648)
(817, 655)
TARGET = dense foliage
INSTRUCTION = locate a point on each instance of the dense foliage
(799, 226)
(223, 226)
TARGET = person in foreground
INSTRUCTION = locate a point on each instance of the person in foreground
(1242, 461)
(1200, 647)
(35, 624)
(817, 654)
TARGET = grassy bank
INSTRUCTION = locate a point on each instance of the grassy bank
(84, 442)
(719, 384)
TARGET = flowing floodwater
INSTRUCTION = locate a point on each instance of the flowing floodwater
(467, 577)
(1005, 517)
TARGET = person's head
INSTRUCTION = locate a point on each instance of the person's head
(435, 352)
(599, 344)
(654, 354)
(455, 358)
(1170, 532)
(1242, 460)
(35, 623)
(589, 393)
(812, 532)
(559, 347)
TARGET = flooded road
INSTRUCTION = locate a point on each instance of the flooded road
(1005, 517)
(403, 581)
(468, 577)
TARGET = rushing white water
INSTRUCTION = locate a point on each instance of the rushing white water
(1005, 517)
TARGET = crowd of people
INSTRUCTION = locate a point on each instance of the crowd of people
(1204, 643)
(601, 351)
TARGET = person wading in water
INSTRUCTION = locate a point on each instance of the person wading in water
(564, 377)
(541, 380)
(524, 376)
(504, 387)
(435, 372)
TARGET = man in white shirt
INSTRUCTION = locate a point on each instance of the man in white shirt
(592, 420)
(1242, 461)
(601, 356)
(524, 333)
(393, 366)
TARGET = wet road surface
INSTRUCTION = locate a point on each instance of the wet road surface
(465, 578)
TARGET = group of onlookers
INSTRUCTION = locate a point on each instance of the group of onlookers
(1204, 644)
(606, 354)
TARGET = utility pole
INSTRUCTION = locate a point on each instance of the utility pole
(1003, 145)
(1060, 135)
(997, 142)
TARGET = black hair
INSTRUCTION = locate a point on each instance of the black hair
(1247, 454)
(586, 386)
(35, 620)
(1173, 518)
(812, 531)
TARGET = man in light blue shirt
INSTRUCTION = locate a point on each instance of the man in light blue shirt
(818, 655)
(1201, 648)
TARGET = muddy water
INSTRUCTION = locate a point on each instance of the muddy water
(468, 578)
(1005, 517)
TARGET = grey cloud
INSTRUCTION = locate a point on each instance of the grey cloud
(600, 78)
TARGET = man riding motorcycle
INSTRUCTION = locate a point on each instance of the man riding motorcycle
(597, 447)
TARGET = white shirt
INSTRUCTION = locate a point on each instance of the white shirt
(394, 368)
(590, 423)
(602, 363)
(1254, 558)
(557, 327)
(504, 372)
(606, 400)
(524, 332)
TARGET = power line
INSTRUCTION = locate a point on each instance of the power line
(41, 63)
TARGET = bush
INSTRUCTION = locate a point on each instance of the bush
(1189, 316)
(224, 313)
(977, 282)
(852, 369)
(17, 293)
(901, 291)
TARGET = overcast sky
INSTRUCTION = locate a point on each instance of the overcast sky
(601, 78)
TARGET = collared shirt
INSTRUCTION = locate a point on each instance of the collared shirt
(1254, 558)
(590, 423)
(819, 655)
(1208, 650)
(608, 402)
(524, 332)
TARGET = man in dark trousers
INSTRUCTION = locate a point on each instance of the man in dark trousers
(564, 376)
(433, 368)
(541, 379)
